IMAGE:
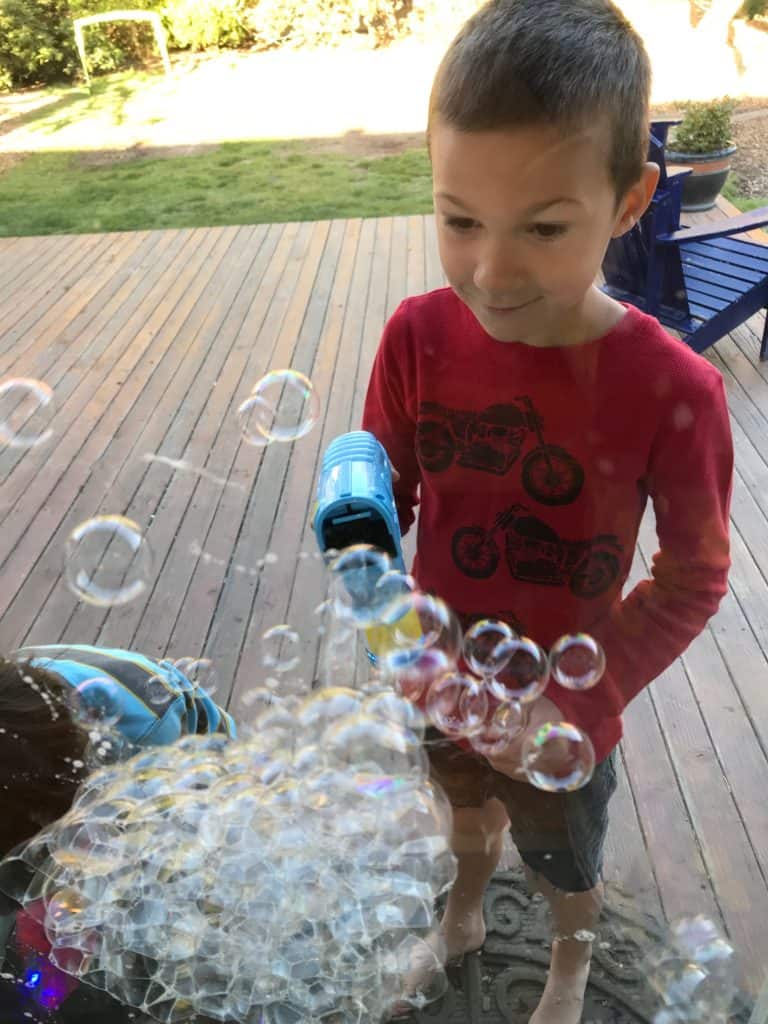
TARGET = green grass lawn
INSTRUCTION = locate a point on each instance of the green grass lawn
(731, 192)
(234, 183)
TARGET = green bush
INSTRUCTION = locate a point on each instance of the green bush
(36, 42)
(205, 24)
(752, 8)
(314, 22)
(706, 127)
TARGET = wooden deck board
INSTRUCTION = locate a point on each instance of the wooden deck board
(152, 339)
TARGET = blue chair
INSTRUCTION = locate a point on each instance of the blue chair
(700, 282)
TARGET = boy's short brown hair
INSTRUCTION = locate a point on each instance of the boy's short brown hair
(518, 63)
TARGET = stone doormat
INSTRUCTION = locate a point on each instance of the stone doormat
(503, 982)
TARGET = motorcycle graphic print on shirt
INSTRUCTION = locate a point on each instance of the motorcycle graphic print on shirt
(491, 441)
(535, 553)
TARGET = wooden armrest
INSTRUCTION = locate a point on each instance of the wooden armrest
(718, 229)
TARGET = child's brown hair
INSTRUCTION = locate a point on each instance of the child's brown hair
(518, 63)
(42, 751)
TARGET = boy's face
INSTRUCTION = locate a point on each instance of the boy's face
(524, 217)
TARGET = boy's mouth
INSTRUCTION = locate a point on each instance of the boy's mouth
(511, 309)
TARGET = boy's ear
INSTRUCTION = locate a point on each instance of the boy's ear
(635, 202)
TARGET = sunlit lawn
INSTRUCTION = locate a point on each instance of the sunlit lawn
(233, 183)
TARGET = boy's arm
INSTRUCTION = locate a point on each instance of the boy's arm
(690, 484)
(390, 411)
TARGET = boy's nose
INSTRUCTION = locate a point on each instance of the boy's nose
(500, 277)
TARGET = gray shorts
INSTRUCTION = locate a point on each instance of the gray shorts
(558, 835)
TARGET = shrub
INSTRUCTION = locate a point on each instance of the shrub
(314, 22)
(37, 43)
(753, 8)
(706, 127)
(202, 24)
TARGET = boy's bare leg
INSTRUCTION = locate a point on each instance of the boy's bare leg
(563, 998)
(477, 840)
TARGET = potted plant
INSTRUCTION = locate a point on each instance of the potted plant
(703, 142)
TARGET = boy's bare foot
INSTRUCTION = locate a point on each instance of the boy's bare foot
(563, 998)
(463, 931)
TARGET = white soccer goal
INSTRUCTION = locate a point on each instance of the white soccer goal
(93, 19)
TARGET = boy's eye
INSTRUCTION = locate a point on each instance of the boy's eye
(460, 223)
(548, 231)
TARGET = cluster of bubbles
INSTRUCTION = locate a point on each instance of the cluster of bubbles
(695, 974)
(107, 559)
(477, 687)
(285, 876)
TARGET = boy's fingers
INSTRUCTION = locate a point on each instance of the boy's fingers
(395, 474)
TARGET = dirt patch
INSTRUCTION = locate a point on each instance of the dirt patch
(359, 143)
(109, 157)
(750, 163)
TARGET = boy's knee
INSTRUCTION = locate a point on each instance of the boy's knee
(476, 829)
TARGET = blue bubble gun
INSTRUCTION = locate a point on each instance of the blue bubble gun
(355, 503)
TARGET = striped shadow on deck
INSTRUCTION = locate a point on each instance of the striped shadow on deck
(152, 339)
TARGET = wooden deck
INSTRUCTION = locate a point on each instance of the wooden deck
(151, 340)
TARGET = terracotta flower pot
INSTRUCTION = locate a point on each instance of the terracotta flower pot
(710, 170)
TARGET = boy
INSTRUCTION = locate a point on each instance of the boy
(43, 760)
(535, 416)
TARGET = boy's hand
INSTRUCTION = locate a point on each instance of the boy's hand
(395, 474)
(509, 762)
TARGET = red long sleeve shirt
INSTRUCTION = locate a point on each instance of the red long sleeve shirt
(533, 466)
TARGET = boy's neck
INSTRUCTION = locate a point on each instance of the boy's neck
(597, 316)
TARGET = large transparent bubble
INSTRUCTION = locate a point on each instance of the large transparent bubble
(283, 406)
(525, 675)
(356, 575)
(26, 412)
(458, 704)
(108, 561)
(558, 757)
(577, 661)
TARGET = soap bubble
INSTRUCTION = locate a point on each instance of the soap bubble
(160, 692)
(107, 561)
(26, 412)
(250, 414)
(393, 708)
(526, 674)
(505, 724)
(577, 661)
(695, 973)
(411, 672)
(457, 704)
(395, 584)
(486, 646)
(558, 757)
(281, 649)
(372, 744)
(356, 573)
(418, 621)
(200, 672)
(290, 875)
(283, 406)
(97, 702)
